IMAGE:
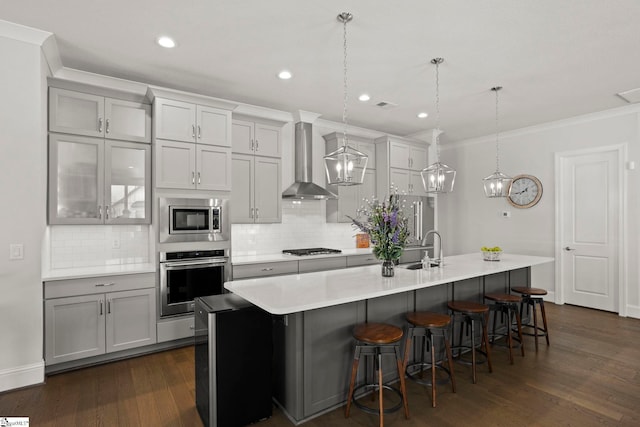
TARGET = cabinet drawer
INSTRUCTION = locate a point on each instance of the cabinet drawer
(322, 264)
(174, 329)
(358, 260)
(98, 285)
(264, 269)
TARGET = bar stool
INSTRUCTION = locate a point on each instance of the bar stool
(470, 312)
(376, 339)
(532, 297)
(428, 326)
(506, 304)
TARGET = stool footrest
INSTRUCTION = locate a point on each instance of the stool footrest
(374, 388)
(412, 374)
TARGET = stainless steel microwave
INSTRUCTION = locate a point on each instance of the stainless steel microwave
(193, 220)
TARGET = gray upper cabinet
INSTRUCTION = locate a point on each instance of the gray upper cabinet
(97, 116)
(96, 181)
(398, 164)
(187, 122)
(256, 138)
(256, 189)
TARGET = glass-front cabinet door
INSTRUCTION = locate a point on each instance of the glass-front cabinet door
(75, 180)
(93, 181)
(127, 182)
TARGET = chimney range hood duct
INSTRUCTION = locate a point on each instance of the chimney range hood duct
(303, 188)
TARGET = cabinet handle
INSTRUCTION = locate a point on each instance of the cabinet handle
(106, 129)
(192, 327)
(199, 132)
(193, 177)
(257, 213)
(106, 212)
(100, 124)
(251, 144)
(256, 145)
(251, 213)
(198, 177)
(105, 284)
(99, 212)
(193, 131)
(267, 269)
(101, 307)
(108, 306)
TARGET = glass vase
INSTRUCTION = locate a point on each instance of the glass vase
(387, 268)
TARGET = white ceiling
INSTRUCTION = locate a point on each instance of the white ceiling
(555, 59)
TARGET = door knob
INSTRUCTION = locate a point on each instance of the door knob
(567, 248)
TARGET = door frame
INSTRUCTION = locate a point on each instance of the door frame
(621, 151)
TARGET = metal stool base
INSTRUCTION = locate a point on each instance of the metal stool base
(375, 388)
(426, 367)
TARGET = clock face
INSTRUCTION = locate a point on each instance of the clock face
(525, 191)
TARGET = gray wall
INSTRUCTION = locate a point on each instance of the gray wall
(469, 220)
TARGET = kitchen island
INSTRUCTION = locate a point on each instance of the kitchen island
(314, 314)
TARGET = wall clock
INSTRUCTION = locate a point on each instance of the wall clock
(525, 191)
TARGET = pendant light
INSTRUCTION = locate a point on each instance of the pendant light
(438, 177)
(497, 184)
(346, 165)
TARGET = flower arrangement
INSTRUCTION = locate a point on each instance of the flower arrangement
(386, 226)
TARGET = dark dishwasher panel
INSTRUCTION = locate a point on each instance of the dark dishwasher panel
(233, 361)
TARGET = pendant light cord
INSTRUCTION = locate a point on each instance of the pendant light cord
(496, 89)
(437, 110)
(344, 110)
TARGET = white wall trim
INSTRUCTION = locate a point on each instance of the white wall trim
(23, 33)
(22, 376)
(52, 55)
(585, 118)
(633, 311)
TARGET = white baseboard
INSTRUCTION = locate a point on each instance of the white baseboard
(633, 311)
(22, 376)
(550, 297)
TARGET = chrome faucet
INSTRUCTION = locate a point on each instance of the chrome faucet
(439, 260)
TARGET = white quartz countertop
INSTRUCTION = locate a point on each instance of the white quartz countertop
(103, 270)
(308, 291)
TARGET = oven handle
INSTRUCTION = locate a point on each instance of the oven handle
(192, 264)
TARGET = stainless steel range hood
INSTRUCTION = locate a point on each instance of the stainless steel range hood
(303, 187)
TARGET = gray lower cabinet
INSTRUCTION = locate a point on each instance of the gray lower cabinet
(81, 326)
(321, 264)
(314, 352)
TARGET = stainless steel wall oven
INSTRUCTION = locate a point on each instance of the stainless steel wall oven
(190, 274)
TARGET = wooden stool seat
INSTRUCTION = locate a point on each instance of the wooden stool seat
(468, 307)
(529, 291)
(504, 298)
(377, 333)
(424, 319)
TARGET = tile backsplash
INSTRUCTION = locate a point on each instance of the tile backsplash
(303, 226)
(73, 246)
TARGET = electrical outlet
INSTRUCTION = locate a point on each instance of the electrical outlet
(16, 251)
(115, 244)
(505, 214)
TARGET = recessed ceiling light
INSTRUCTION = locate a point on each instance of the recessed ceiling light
(285, 75)
(364, 97)
(167, 42)
(423, 115)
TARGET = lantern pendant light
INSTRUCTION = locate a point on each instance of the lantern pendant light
(497, 184)
(346, 165)
(438, 177)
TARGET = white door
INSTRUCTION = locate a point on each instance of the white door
(76, 113)
(128, 121)
(242, 137)
(175, 164)
(242, 189)
(590, 233)
(130, 319)
(175, 120)
(267, 141)
(267, 190)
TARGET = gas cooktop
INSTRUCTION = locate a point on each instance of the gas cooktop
(311, 251)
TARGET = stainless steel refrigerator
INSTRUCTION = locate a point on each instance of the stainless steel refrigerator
(233, 361)
(420, 213)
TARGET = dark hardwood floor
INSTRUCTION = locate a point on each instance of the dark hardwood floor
(590, 375)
